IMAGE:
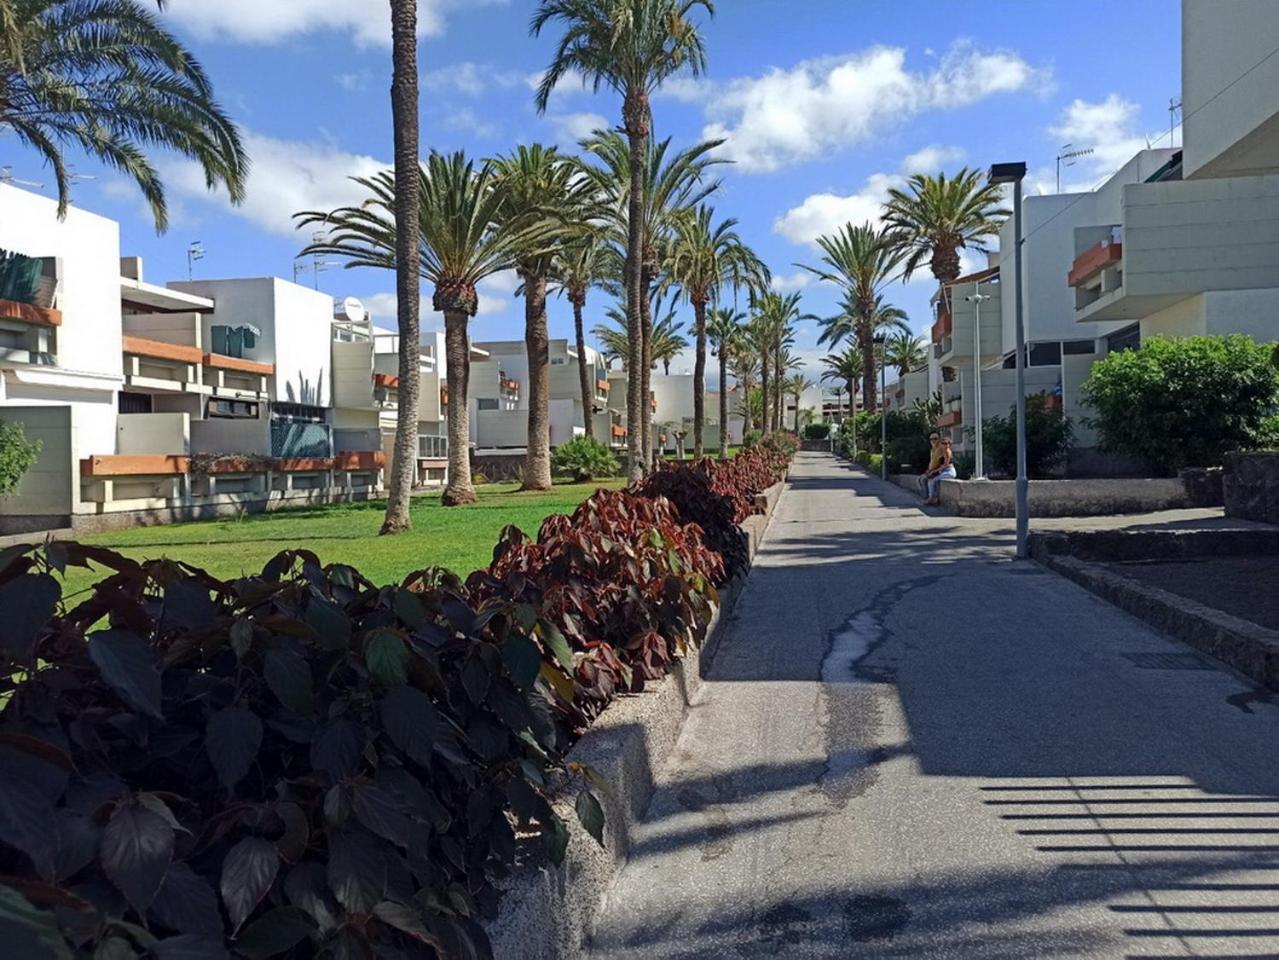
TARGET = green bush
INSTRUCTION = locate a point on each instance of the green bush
(817, 431)
(17, 455)
(1048, 439)
(1185, 402)
(907, 437)
(585, 458)
(752, 438)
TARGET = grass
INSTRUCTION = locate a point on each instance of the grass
(460, 538)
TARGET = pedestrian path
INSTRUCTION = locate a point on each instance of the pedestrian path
(910, 745)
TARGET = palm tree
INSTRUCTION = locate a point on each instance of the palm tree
(724, 328)
(861, 260)
(631, 47)
(772, 330)
(613, 339)
(934, 217)
(105, 76)
(885, 318)
(582, 265)
(539, 189)
(462, 240)
(667, 340)
(905, 352)
(408, 296)
(703, 258)
(744, 362)
(845, 368)
(796, 385)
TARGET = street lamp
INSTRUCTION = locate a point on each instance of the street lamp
(979, 465)
(880, 340)
(1015, 173)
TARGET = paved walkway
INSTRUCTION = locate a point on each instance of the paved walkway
(912, 746)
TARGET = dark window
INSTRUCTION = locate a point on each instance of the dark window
(486, 403)
(1128, 338)
(1079, 348)
(135, 403)
(1044, 354)
(232, 409)
(299, 413)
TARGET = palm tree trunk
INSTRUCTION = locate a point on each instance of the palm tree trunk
(457, 353)
(723, 404)
(537, 345)
(584, 379)
(869, 394)
(779, 390)
(404, 113)
(699, 378)
(646, 371)
(763, 390)
(636, 135)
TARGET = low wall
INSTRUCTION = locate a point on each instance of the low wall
(1250, 486)
(546, 912)
(1064, 498)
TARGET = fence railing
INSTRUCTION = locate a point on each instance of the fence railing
(301, 439)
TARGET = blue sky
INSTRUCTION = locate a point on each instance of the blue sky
(824, 103)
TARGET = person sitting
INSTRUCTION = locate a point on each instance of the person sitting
(934, 460)
(945, 470)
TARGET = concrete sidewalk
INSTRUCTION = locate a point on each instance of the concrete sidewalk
(912, 746)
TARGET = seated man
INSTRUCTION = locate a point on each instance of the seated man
(945, 469)
(934, 460)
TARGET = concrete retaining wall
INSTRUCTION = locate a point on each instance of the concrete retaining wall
(1250, 486)
(546, 912)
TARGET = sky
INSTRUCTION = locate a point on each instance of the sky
(823, 106)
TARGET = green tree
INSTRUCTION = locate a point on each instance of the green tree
(1185, 402)
(541, 196)
(462, 240)
(705, 257)
(861, 261)
(906, 353)
(846, 369)
(17, 455)
(584, 265)
(612, 339)
(632, 47)
(934, 217)
(585, 458)
(1048, 438)
(106, 77)
(668, 340)
(724, 328)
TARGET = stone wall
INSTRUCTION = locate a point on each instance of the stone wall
(1250, 486)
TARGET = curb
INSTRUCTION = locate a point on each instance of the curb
(1251, 649)
(547, 913)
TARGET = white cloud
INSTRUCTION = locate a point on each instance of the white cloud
(468, 121)
(252, 21)
(506, 282)
(495, 295)
(569, 84)
(1109, 128)
(286, 176)
(788, 116)
(470, 79)
(823, 213)
(353, 82)
(789, 283)
(573, 127)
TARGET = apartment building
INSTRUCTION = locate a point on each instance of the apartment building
(156, 403)
(499, 396)
(671, 398)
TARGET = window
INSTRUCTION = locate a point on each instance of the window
(1079, 348)
(134, 403)
(1044, 354)
(1128, 338)
(558, 361)
(232, 409)
(299, 412)
(234, 341)
(486, 403)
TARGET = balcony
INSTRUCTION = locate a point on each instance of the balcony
(943, 347)
(951, 418)
(944, 325)
(618, 431)
(602, 386)
(1093, 261)
(236, 377)
(507, 387)
(386, 390)
(29, 289)
(161, 366)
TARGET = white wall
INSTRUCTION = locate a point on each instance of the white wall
(1229, 102)
(142, 433)
(50, 487)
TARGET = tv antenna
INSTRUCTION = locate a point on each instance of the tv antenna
(195, 253)
(1067, 156)
(7, 176)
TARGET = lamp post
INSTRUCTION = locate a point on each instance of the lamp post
(880, 340)
(979, 465)
(1014, 173)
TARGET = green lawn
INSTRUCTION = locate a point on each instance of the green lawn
(460, 538)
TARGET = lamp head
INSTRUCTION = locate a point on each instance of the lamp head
(1007, 172)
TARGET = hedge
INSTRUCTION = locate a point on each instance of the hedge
(303, 763)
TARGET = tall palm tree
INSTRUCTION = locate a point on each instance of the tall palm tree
(772, 330)
(538, 189)
(671, 183)
(905, 352)
(744, 363)
(796, 385)
(844, 325)
(934, 217)
(613, 338)
(408, 296)
(668, 341)
(861, 261)
(106, 77)
(724, 328)
(462, 240)
(584, 264)
(845, 368)
(631, 47)
(704, 257)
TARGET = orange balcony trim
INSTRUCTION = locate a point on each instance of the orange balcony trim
(508, 384)
(943, 327)
(619, 431)
(160, 350)
(134, 465)
(386, 380)
(951, 418)
(603, 386)
(220, 362)
(30, 313)
(359, 460)
(1093, 260)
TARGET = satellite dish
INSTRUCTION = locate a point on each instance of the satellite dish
(349, 309)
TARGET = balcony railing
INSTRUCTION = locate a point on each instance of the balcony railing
(1093, 261)
(602, 386)
(942, 347)
(619, 431)
(508, 386)
(951, 418)
(943, 326)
